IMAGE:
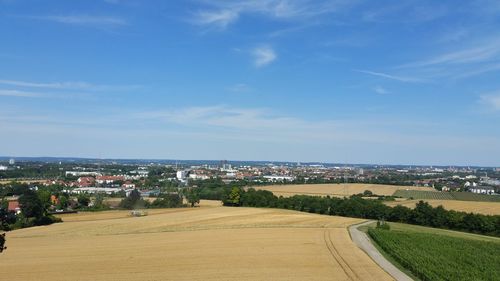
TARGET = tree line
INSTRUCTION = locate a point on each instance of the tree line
(164, 200)
(34, 211)
(357, 207)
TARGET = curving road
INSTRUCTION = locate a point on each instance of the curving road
(364, 243)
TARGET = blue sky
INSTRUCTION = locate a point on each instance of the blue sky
(395, 82)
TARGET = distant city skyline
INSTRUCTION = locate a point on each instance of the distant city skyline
(387, 82)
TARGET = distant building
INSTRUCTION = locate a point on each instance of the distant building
(54, 200)
(149, 193)
(108, 179)
(3, 168)
(107, 190)
(85, 181)
(12, 161)
(226, 167)
(482, 190)
(14, 206)
(198, 176)
(79, 174)
(181, 175)
(127, 185)
(468, 184)
(279, 178)
(140, 172)
(490, 181)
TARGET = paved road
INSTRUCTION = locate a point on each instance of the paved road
(363, 242)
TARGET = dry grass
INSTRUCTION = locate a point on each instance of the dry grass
(487, 208)
(115, 202)
(336, 189)
(6, 181)
(207, 243)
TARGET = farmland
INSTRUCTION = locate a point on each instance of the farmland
(6, 181)
(337, 189)
(206, 243)
(441, 255)
(486, 208)
(463, 196)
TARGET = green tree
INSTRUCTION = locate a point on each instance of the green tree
(31, 205)
(167, 201)
(133, 201)
(2, 242)
(193, 196)
(234, 197)
(63, 201)
(83, 200)
(44, 196)
(6, 219)
(99, 199)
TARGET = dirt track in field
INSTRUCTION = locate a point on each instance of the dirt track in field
(207, 243)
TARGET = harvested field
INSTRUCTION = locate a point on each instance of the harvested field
(6, 181)
(463, 196)
(336, 189)
(115, 202)
(486, 208)
(207, 243)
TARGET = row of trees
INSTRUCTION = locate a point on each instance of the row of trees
(164, 200)
(357, 207)
(33, 212)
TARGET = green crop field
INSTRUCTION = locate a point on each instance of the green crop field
(416, 194)
(432, 256)
(430, 195)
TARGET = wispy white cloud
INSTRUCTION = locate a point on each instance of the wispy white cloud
(405, 12)
(220, 116)
(480, 57)
(220, 19)
(222, 13)
(454, 35)
(54, 85)
(258, 124)
(67, 85)
(392, 77)
(263, 56)
(491, 100)
(106, 21)
(485, 52)
(380, 90)
(22, 94)
(239, 88)
(476, 71)
(262, 133)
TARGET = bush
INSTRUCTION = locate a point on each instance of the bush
(167, 201)
(383, 225)
(134, 201)
(2, 242)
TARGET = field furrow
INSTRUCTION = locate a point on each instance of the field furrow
(207, 243)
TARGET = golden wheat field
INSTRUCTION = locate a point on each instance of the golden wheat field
(487, 208)
(205, 243)
(6, 181)
(336, 189)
